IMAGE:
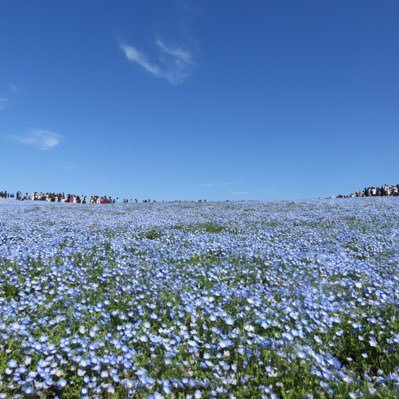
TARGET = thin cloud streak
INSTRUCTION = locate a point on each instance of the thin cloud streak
(40, 139)
(134, 55)
(175, 63)
(181, 56)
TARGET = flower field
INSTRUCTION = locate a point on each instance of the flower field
(200, 300)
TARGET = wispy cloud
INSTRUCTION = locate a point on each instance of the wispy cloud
(40, 139)
(7, 96)
(180, 55)
(134, 55)
(3, 103)
(175, 63)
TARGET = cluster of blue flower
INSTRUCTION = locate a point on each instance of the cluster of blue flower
(204, 300)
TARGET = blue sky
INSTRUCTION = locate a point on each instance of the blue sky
(199, 99)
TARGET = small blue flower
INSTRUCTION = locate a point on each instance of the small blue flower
(61, 384)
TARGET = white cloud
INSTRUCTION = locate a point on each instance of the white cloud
(175, 64)
(181, 56)
(134, 55)
(41, 139)
(3, 103)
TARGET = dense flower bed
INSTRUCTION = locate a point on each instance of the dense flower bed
(200, 300)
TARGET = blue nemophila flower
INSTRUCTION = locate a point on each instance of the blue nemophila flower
(127, 383)
(28, 390)
(373, 342)
(12, 364)
(225, 343)
(120, 287)
(61, 383)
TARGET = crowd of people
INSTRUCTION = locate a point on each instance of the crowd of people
(383, 191)
(62, 197)
(68, 198)
(5, 194)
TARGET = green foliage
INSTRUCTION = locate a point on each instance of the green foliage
(153, 234)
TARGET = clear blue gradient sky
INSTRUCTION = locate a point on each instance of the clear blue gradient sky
(199, 99)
